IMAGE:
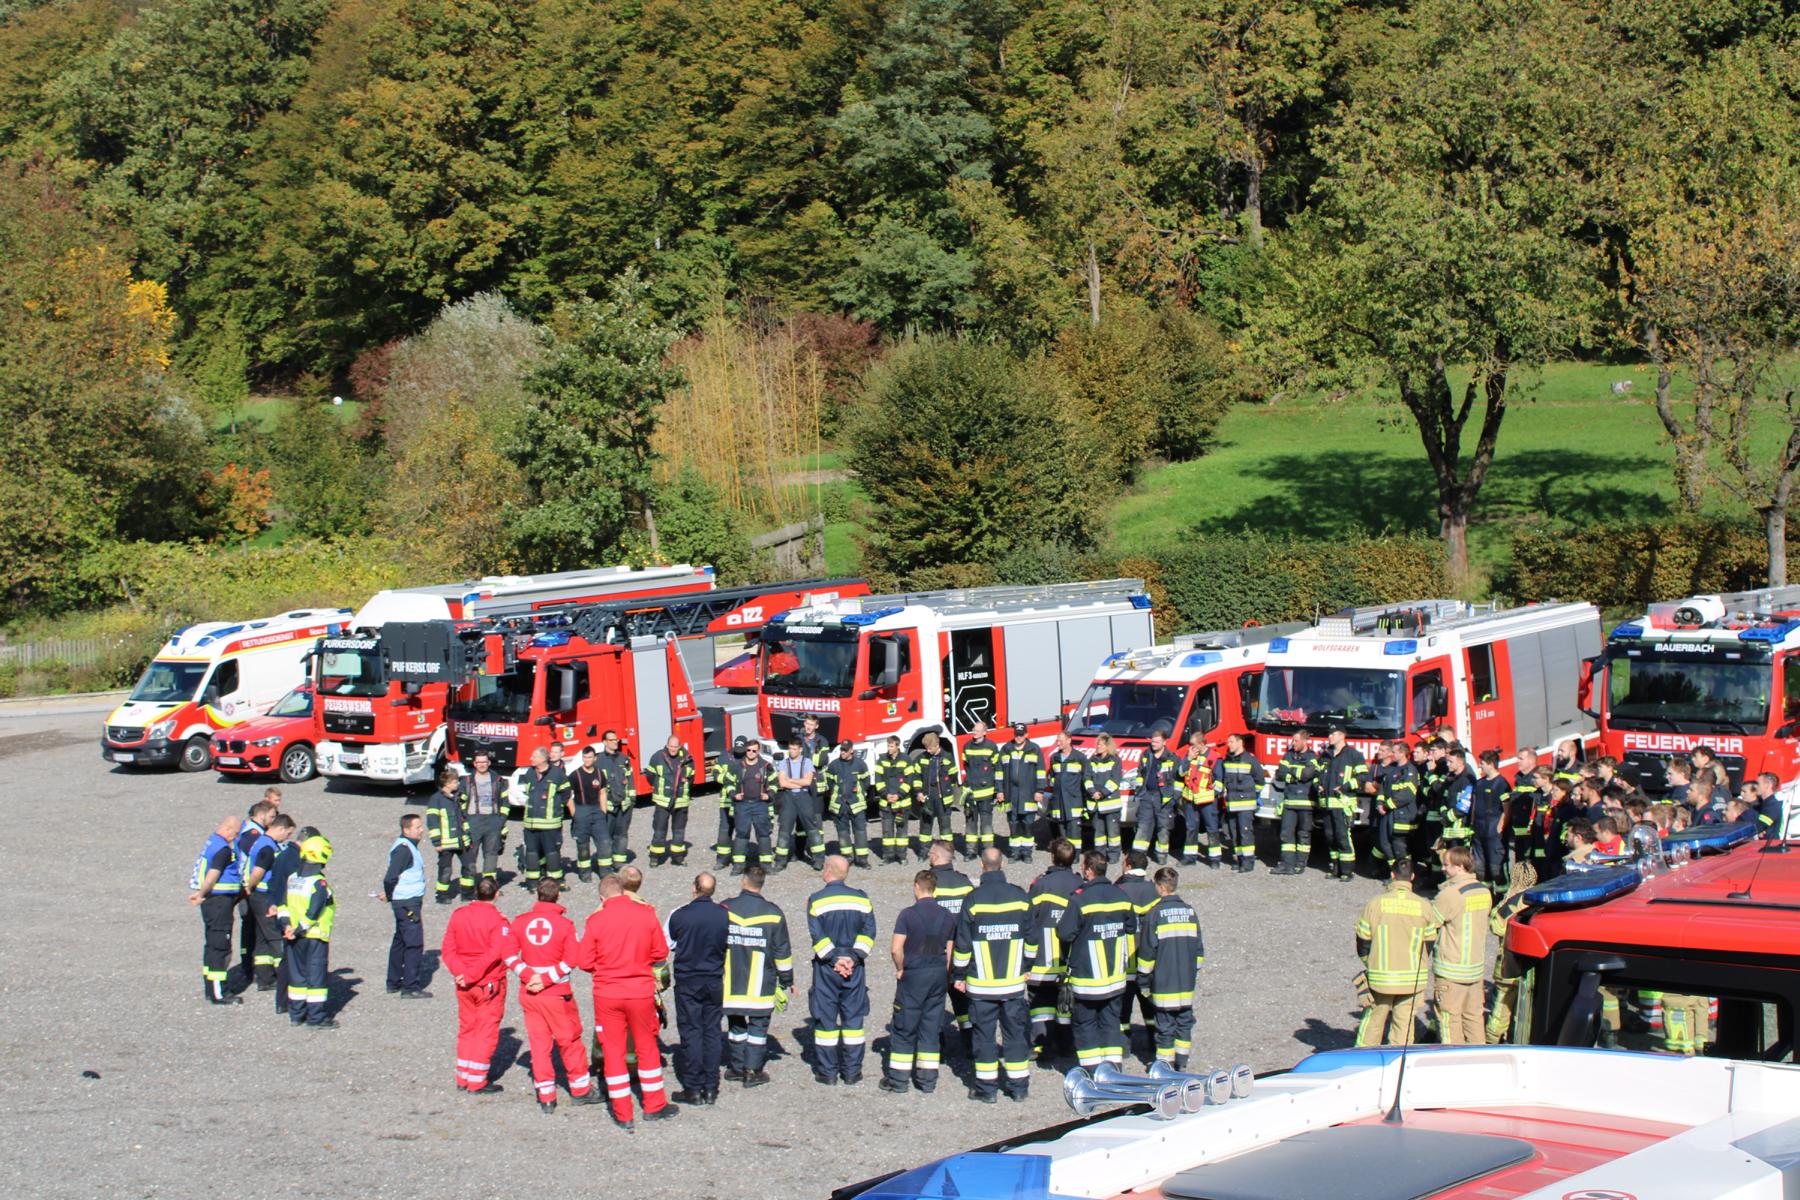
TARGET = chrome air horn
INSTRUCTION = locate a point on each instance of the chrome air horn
(1192, 1090)
(1218, 1086)
(1087, 1097)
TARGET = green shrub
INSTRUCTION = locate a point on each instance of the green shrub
(1622, 564)
(1221, 582)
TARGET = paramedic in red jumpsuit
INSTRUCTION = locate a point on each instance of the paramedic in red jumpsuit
(474, 952)
(620, 946)
(542, 952)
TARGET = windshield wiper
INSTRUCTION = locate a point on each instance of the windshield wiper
(1674, 726)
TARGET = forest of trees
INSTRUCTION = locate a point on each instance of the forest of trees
(523, 233)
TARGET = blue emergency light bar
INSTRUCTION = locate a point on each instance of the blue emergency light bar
(868, 618)
(976, 1175)
(551, 639)
(1627, 630)
(1711, 839)
(1400, 646)
(216, 634)
(1278, 645)
(1768, 633)
(1578, 888)
(1140, 600)
(1201, 658)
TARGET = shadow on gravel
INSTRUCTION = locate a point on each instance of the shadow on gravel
(1320, 1036)
(340, 989)
(506, 1052)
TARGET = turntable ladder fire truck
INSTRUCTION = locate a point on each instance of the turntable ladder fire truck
(915, 662)
(1721, 671)
(568, 675)
(370, 725)
(1495, 678)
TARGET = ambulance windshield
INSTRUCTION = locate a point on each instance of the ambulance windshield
(1129, 710)
(809, 664)
(1680, 690)
(168, 682)
(1316, 698)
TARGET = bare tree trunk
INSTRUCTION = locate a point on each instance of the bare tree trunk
(1253, 202)
(650, 526)
(1441, 420)
(1093, 284)
(1775, 530)
(1454, 527)
(1691, 444)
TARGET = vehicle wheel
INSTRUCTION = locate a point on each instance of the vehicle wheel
(297, 764)
(196, 754)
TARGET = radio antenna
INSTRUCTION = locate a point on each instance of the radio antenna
(1394, 1116)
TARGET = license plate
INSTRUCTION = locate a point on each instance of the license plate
(352, 760)
(230, 761)
(117, 757)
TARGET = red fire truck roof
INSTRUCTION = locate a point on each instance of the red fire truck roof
(1744, 901)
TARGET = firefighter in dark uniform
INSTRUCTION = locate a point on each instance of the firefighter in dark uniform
(1433, 777)
(540, 854)
(816, 745)
(981, 784)
(725, 775)
(1049, 895)
(750, 805)
(759, 970)
(922, 936)
(1169, 956)
(892, 775)
(932, 775)
(671, 775)
(1342, 770)
(953, 887)
(484, 799)
(1159, 784)
(840, 921)
(1380, 826)
(1135, 883)
(1239, 779)
(1099, 933)
(1487, 819)
(1199, 805)
(994, 947)
(448, 828)
(588, 824)
(799, 834)
(1521, 804)
(1397, 806)
(621, 796)
(846, 800)
(1066, 777)
(1293, 787)
(1022, 783)
(698, 932)
(1106, 798)
(217, 888)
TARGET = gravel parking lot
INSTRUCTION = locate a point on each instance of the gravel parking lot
(101, 975)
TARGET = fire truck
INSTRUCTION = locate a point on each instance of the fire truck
(1496, 679)
(916, 662)
(1206, 683)
(642, 668)
(1721, 671)
(210, 677)
(371, 725)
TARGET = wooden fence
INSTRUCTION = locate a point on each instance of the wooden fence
(76, 652)
(799, 548)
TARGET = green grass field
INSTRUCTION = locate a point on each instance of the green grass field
(1569, 450)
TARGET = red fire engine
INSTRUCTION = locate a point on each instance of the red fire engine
(1718, 671)
(914, 662)
(371, 724)
(568, 675)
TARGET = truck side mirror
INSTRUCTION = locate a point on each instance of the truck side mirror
(884, 657)
(210, 697)
(1440, 701)
(1584, 688)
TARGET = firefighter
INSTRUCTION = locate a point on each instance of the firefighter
(1381, 823)
(484, 799)
(1293, 788)
(589, 824)
(622, 946)
(920, 951)
(1421, 843)
(216, 889)
(1521, 804)
(307, 913)
(1106, 799)
(953, 887)
(1342, 770)
(1487, 819)
(1169, 956)
(255, 825)
(816, 745)
(893, 789)
(1458, 796)
(1200, 805)
(287, 863)
(448, 828)
(1238, 778)
(801, 835)
(542, 952)
(844, 778)
(750, 807)
(759, 970)
(994, 946)
(725, 775)
(697, 935)
(541, 853)
(1506, 975)
(840, 921)
(671, 775)
(1392, 937)
(1022, 783)
(614, 762)
(1398, 804)
(932, 774)
(1066, 781)
(981, 784)
(403, 888)
(260, 897)
(475, 950)
(1049, 895)
(1099, 930)
(1462, 907)
(1159, 777)
(1135, 883)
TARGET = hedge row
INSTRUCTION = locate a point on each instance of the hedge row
(1620, 564)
